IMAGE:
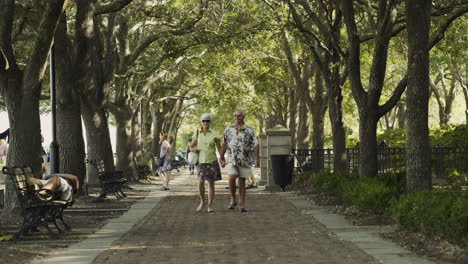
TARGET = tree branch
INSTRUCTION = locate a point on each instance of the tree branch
(441, 31)
(35, 68)
(184, 29)
(111, 6)
(385, 108)
(354, 53)
(7, 58)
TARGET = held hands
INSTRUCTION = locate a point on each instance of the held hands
(223, 162)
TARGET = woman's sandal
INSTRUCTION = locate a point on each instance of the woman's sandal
(242, 210)
(200, 207)
(232, 206)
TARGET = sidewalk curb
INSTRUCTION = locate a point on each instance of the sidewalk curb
(364, 237)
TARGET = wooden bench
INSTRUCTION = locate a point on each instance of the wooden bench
(111, 181)
(36, 212)
(142, 170)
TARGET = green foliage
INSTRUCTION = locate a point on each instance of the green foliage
(395, 180)
(394, 138)
(182, 140)
(368, 194)
(305, 178)
(372, 195)
(450, 136)
(441, 212)
(4, 237)
(329, 182)
(455, 179)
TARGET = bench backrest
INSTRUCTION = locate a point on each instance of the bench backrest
(18, 177)
(99, 165)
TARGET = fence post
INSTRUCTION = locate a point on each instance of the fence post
(382, 156)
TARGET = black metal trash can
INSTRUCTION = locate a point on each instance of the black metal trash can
(282, 166)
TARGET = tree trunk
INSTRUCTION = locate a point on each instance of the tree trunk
(124, 141)
(98, 139)
(464, 86)
(25, 135)
(318, 110)
(146, 135)
(465, 94)
(418, 157)
(137, 133)
(156, 116)
(368, 166)
(318, 123)
(401, 113)
(340, 157)
(302, 141)
(69, 125)
(22, 89)
(174, 120)
(93, 87)
(335, 98)
(292, 114)
(368, 101)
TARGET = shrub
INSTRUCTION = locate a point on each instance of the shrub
(455, 179)
(394, 180)
(328, 181)
(304, 178)
(368, 194)
(371, 195)
(394, 138)
(450, 136)
(441, 212)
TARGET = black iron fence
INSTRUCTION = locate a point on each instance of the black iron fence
(445, 160)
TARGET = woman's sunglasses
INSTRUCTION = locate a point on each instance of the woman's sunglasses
(206, 121)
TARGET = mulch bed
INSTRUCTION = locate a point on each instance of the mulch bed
(87, 215)
(435, 248)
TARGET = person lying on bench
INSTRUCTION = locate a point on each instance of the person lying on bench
(66, 184)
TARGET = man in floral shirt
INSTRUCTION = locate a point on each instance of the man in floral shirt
(239, 140)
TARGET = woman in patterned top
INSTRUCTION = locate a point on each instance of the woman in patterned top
(208, 168)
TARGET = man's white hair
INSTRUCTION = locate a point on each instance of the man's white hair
(205, 116)
(240, 111)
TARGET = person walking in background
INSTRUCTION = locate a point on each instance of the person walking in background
(251, 181)
(208, 167)
(239, 139)
(3, 150)
(165, 168)
(187, 151)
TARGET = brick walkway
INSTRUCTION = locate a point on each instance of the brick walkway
(278, 228)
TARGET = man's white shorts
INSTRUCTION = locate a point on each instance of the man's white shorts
(241, 172)
(65, 188)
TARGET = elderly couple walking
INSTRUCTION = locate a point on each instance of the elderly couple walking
(238, 141)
